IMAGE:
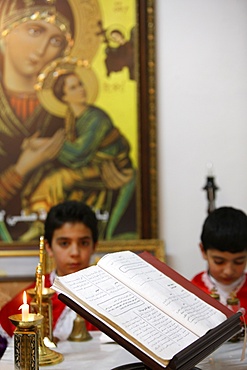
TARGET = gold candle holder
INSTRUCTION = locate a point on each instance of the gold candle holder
(46, 311)
(26, 341)
(214, 294)
(46, 355)
(234, 305)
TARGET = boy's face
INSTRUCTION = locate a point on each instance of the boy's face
(225, 267)
(72, 246)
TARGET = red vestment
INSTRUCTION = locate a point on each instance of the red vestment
(203, 281)
(12, 308)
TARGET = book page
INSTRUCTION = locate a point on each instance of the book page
(123, 310)
(159, 289)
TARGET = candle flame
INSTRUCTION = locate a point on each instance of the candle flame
(24, 308)
(24, 297)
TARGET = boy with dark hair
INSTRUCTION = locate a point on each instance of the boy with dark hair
(224, 247)
(71, 235)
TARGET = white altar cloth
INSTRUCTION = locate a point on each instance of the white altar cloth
(95, 355)
(89, 355)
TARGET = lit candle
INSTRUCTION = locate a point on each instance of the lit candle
(24, 308)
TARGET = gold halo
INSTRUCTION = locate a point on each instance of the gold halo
(86, 14)
(48, 76)
(117, 27)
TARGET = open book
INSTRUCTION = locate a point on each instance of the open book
(129, 299)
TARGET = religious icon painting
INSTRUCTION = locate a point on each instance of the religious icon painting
(77, 113)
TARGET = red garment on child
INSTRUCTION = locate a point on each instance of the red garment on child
(12, 308)
(202, 281)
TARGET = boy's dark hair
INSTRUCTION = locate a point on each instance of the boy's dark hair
(70, 211)
(225, 229)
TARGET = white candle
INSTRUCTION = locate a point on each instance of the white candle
(24, 308)
(210, 171)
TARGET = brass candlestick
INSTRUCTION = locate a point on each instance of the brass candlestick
(26, 339)
(234, 305)
(214, 294)
(46, 311)
(46, 355)
(79, 332)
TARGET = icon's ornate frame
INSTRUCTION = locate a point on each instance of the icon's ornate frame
(147, 181)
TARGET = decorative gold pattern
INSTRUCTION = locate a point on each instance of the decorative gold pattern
(26, 346)
(26, 340)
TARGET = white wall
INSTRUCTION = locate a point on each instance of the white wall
(201, 114)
